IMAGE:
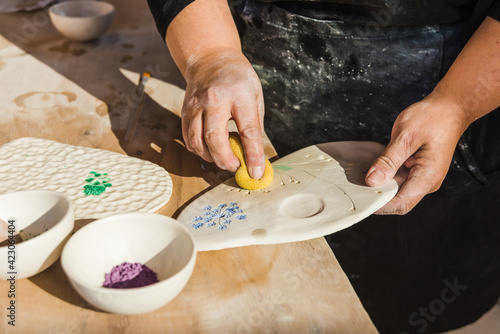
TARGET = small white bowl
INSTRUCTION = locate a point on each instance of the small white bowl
(161, 243)
(46, 220)
(82, 20)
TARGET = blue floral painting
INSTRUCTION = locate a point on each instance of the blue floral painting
(219, 216)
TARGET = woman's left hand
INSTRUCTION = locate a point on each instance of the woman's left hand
(423, 139)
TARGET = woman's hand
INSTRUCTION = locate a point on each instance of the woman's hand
(222, 85)
(424, 136)
(423, 139)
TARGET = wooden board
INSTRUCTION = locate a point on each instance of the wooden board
(288, 288)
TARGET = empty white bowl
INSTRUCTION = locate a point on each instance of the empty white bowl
(46, 220)
(82, 20)
(159, 242)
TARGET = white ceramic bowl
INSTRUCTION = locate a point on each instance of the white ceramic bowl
(46, 220)
(82, 20)
(161, 243)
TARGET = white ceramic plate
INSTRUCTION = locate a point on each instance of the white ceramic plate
(316, 191)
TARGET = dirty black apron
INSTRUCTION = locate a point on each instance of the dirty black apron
(329, 80)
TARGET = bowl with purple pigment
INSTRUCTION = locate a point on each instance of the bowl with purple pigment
(131, 263)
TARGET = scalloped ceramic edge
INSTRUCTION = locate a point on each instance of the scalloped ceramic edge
(316, 191)
(133, 185)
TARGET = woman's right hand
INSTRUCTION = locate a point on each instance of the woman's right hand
(222, 85)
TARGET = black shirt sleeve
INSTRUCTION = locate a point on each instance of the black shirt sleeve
(494, 11)
(164, 11)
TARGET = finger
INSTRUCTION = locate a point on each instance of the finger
(420, 182)
(410, 162)
(185, 122)
(192, 131)
(216, 138)
(388, 163)
(260, 108)
(186, 113)
(247, 120)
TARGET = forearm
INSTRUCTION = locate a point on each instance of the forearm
(200, 28)
(473, 81)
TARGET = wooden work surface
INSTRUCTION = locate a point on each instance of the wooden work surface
(288, 288)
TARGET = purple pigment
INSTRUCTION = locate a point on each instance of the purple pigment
(129, 275)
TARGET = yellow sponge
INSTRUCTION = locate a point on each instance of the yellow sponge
(242, 176)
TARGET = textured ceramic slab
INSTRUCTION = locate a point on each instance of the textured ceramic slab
(316, 191)
(99, 183)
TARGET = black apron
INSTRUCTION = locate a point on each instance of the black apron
(328, 80)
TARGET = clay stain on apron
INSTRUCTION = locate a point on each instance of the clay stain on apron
(352, 67)
(315, 47)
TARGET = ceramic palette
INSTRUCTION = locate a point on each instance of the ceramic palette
(316, 191)
(99, 183)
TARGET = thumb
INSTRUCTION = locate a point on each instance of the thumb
(388, 163)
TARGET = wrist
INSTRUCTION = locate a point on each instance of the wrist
(451, 107)
(211, 60)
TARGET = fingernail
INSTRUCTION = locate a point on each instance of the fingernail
(376, 176)
(256, 172)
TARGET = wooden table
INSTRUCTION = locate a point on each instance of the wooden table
(289, 288)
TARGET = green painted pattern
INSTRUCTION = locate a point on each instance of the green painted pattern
(97, 183)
